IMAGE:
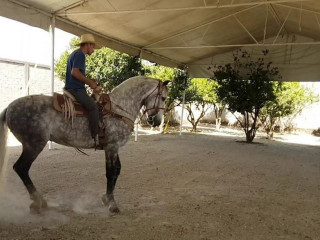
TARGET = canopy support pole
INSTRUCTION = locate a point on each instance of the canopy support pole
(52, 28)
(181, 118)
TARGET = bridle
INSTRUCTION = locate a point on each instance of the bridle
(160, 88)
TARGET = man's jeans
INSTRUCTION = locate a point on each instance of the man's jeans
(89, 104)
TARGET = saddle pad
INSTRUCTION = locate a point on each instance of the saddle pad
(59, 102)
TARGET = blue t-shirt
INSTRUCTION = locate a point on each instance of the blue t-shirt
(77, 59)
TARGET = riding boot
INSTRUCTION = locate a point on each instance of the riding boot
(96, 142)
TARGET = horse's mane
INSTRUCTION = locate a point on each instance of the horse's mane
(134, 82)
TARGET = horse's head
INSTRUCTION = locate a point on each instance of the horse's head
(154, 104)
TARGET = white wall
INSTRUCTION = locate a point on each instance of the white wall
(308, 119)
(12, 81)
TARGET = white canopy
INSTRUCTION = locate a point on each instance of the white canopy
(195, 34)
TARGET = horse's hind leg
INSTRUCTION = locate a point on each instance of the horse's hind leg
(22, 167)
(113, 168)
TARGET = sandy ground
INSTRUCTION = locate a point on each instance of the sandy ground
(194, 186)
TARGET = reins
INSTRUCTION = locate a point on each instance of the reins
(159, 94)
(159, 87)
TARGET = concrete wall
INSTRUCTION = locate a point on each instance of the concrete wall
(308, 119)
(13, 80)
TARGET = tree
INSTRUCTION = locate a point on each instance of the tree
(199, 92)
(290, 99)
(246, 86)
(111, 67)
(198, 95)
(61, 63)
(108, 67)
(158, 71)
(179, 81)
(162, 73)
(218, 104)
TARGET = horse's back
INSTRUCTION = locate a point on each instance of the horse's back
(30, 100)
(29, 117)
(29, 107)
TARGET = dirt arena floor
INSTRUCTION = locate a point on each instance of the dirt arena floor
(194, 186)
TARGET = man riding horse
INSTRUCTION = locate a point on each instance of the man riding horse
(76, 80)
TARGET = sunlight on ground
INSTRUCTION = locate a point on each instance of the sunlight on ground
(299, 138)
(12, 141)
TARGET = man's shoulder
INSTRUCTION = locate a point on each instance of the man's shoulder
(77, 53)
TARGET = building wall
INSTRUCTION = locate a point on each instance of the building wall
(13, 81)
(308, 119)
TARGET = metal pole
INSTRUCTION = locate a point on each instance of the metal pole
(181, 118)
(26, 78)
(52, 28)
(136, 123)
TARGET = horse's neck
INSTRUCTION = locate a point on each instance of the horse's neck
(124, 107)
(126, 100)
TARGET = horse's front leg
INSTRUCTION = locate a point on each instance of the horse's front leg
(113, 168)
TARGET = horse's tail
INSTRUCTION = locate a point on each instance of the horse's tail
(3, 141)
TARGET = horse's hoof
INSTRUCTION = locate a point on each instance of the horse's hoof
(113, 208)
(37, 206)
(110, 204)
(44, 204)
(105, 200)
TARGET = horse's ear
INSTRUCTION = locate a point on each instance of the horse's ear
(165, 83)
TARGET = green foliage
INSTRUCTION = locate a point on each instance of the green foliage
(108, 67)
(159, 72)
(111, 68)
(180, 82)
(316, 132)
(60, 65)
(246, 86)
(199, 94)
(218, 104)
(290, 100)
(201, 90)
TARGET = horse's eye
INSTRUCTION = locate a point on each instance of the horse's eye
(163, 98)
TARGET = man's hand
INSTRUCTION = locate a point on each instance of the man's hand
(97, 90)
(78, 75)
(93, 85)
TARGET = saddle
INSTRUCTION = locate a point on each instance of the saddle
(70, 108)
(68, 105)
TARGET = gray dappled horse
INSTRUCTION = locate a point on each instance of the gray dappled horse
(34, 122)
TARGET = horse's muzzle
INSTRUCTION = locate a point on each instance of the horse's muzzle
(154, 120)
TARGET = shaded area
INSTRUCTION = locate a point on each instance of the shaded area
(193, 186)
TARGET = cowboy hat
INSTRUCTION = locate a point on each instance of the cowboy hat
(86, 38)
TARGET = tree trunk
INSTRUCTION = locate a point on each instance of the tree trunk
(218, 123)
(250, 136)
(194, 127)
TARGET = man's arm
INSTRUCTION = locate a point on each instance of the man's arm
(78, 75)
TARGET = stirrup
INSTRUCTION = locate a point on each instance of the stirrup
(96, 142)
